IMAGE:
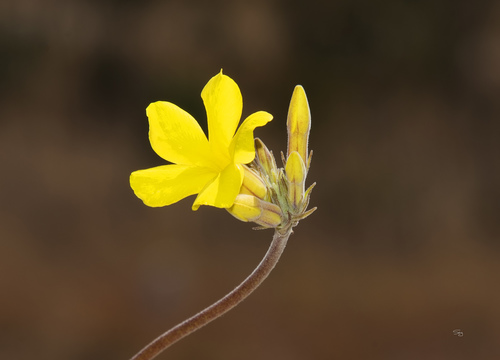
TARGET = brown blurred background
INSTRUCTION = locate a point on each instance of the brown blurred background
(403, 250)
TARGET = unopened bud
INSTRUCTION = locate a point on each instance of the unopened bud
(264, 156)
(296, 175)
(250, 208)
(246, 208)
(298, 123)
(253, 184)
(271, 215)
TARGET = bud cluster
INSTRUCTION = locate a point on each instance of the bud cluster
(276, 197)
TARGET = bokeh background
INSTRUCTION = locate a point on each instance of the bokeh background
(403, 250)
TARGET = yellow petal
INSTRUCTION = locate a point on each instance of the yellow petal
(223, 103)
(222, 191)
(167, 184)
(176, 136)
(242, 148)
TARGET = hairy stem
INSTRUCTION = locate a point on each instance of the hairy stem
(222, 306)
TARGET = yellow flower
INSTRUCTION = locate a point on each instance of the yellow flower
(211, 168)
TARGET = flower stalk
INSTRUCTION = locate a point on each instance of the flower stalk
(225, 304)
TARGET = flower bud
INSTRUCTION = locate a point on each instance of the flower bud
(264, 156)
(250, 208)
(298, 124)
(253, 184)
(246, 208)
(271, 215)
(296, 175)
